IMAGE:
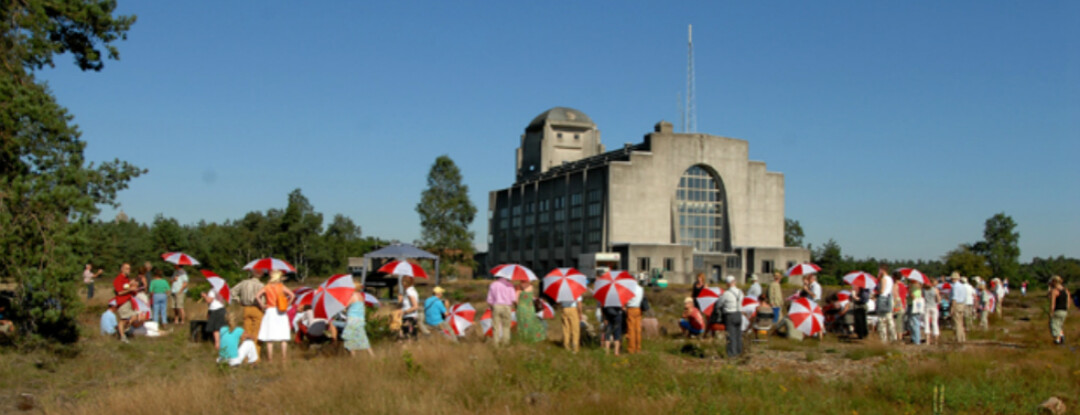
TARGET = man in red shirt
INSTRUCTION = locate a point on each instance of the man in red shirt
(124, 291)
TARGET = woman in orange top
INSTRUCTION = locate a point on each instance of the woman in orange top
(275, 324)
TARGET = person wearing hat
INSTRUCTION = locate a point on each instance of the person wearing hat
(109, 320)
(754, 289)
(959, 306)
(776, 296)
(692, 323)
(730, 304)
(435, 313)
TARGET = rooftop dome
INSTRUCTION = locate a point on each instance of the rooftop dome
(561, 115)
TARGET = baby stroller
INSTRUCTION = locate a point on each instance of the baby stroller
(763, 324)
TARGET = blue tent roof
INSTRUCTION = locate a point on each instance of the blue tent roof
(401, 251)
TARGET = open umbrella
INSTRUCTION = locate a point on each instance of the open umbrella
(179, 258)
(614, 288)
(487, 324)
(371, 300)
(217, 284)
(750, 305)
(565, 284)
(513, 272)
(842, 298)
(860, 279)
(403, 268)
(707, 299)
(805, 268)
(546, 312)
(140, 307)
(332, 295)
(462, 317)
(807, 316)
(914, 275)
(302, 296)
(269, 264)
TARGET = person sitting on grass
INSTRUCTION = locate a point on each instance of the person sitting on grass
(435, 314)
(692, 322)
(237, 347)
(312, 329)
(109, 320)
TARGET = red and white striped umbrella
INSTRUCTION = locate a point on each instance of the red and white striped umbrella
(217, 284)
(141, 308)
(179, 258)
(614, 288)
(842, 298)
(302, 296)
(805, 268)
(565, 284)
(513, 272)
(750, 305)
(546, 312)
(707, 299)
(269, 264)
(462, 317)
(860, 279)
(332, 295)
(487, 324)
(807, 316)
(914, 275)
(371, 301)
(403, 268)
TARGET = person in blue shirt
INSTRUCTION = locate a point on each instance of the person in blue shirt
(236, 346)
(435, 313)
(108, 320)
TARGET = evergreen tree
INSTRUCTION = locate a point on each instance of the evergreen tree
(1001, 246)
(446, 213)
(49, 194)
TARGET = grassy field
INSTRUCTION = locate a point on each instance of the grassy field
(1009, 369)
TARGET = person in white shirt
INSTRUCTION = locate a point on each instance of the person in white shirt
(886, 323)
(815, 288)
(969, 302)
(730, 304)
(754, 290)
(633, 320)
(959, 306)
(999, 295)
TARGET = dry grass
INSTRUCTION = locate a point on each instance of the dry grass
(172, 376)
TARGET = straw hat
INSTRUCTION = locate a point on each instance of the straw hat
(955, 276)
(438, 290)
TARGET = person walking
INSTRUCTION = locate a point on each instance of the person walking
(247, 291)
(1060, 302)
(730, 304)
(88, 277)
(410, 308)
(571, 324)
(633, 320)
(159, 291)
(355, 333)
(501, 296)
(530, 329)
(435, 313)
(915, 312)
(958, 307)
(776, 296)
(930, 319)
(179, 294)
(886, 325)
(275, 327)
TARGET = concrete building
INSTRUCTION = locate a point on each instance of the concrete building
(677, 203)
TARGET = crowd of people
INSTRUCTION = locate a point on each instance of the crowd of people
(897, 309)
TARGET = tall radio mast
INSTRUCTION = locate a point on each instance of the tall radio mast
(689, 110)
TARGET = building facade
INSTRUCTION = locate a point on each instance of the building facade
(676, 203)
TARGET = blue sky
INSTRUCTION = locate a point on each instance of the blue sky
(900, 127)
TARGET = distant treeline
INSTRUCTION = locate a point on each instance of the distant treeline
(296, 234)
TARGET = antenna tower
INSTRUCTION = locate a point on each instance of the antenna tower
(690, 112)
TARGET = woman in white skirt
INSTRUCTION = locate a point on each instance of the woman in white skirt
(275, 323)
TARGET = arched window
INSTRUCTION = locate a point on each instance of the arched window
(702, 207)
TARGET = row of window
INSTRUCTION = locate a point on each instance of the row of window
(645, 264)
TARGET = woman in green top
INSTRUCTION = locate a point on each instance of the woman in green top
(159, 288)
(530, 329)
